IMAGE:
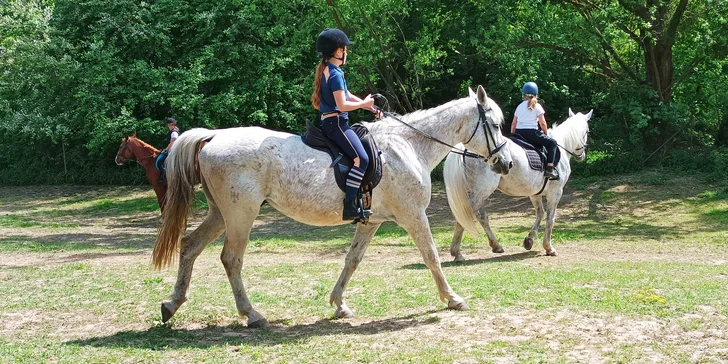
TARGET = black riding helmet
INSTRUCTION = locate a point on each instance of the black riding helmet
(329, 41)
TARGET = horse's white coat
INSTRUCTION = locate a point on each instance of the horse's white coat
(243, 167)
(469, 183)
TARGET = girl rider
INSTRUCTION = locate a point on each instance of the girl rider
(333, 100)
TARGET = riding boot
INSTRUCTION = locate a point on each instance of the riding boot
(353, 210)
(551, 173)
(162, 178)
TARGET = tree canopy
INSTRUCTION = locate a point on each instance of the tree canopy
(76, 76)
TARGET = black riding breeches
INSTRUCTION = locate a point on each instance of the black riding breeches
(537, 138)
(337, 128)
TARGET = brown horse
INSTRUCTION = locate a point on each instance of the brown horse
(146, 155)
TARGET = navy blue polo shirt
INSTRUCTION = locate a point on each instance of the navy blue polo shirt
(335, 82)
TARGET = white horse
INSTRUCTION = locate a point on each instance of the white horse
(241, 168)
(469, 184)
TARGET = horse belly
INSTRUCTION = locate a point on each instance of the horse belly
(278, 168)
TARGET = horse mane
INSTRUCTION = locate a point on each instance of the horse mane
(572, 130)
(419, 115)
(145, 144)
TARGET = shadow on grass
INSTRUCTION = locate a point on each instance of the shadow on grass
(165, 337)
(76, 242)
(494, 259)
(74, 258)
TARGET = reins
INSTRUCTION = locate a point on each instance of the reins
(482, 120)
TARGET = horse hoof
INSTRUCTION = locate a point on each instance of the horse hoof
(258, 324)
(458, 306)
(166, 313)
(498, 250)
(459, 258)
(528, 243)
(552, 253)
(342, 313)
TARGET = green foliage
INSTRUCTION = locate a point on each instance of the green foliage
(77, 76)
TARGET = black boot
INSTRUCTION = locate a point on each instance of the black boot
(551, 173)
(353, 211)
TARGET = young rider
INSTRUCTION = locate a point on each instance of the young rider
(161, 159)
(529, 121)
(333, 100)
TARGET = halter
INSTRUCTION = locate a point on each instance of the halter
(482, 120)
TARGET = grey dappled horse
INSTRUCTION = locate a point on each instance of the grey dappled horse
(469, 183)
(241, 168)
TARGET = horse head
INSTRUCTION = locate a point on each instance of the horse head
(125, 153)
(576, 141)
(490, 117)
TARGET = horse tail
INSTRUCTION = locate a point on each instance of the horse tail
(182, 175)
(457, 196)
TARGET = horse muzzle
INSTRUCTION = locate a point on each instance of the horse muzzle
(501, 166)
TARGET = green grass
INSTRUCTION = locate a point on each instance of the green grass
(642, 262)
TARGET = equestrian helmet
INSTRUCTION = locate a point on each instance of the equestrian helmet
(329, 41)
(530, 89)
(171, 121)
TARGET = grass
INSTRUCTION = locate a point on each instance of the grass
(641, 277)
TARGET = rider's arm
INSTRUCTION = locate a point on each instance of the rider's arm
(513, 124)
(542, 123)
(349, 105)
(169, 146)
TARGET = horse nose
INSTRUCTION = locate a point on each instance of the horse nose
(510, 164)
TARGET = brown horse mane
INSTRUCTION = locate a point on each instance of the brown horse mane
(145, 145)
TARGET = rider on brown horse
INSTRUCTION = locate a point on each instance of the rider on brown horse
(161, 159)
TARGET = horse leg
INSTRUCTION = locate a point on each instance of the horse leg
(551, 204)
(455, 245)
(236, 241)
(533, 234)
(362, 238)
(192, 246)
(418, 227)
(482, 216)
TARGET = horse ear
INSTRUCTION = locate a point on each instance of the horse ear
(471, 92)
(134, 134)
(571, 113)
(589, 114)
(482, 96)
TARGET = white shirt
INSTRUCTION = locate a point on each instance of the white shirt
(174, 135)
(528, 119)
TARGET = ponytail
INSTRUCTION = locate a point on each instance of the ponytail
(532, 102)
(316, 95)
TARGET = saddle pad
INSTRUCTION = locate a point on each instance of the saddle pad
(536, 156)
(534, 160)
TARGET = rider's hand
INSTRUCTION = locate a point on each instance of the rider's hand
(377, 112)
(368, 102)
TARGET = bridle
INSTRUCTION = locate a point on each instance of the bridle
(482, 120)
(584, 147)
(120, 153)
(122, 150)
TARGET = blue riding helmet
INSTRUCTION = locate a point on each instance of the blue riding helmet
(530, 89)
(329, 41)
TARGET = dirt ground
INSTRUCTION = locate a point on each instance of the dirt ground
(601, 333)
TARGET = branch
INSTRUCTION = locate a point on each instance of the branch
(564, 50)
(675, 21)
(688, 70)
(607, 46)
